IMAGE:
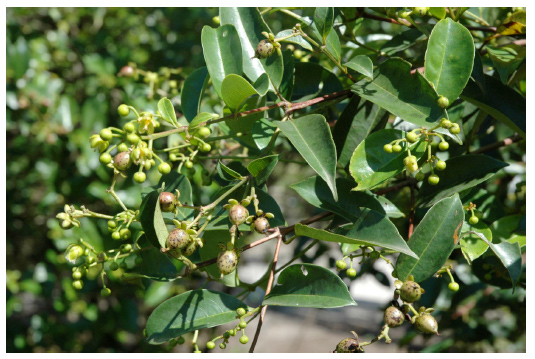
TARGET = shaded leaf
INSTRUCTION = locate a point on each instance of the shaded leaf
(506, 59)
(261, 168)
(244, 125)
(152, 221)
(287, 84)
(362, 64)
(437, 12)
(200, 119)
(262, 132)
(313, 80)
(403, 41)
(192, 91)
(324, 19)
(471, 245)
(167, 111)
(261, 85)
(226, 173)
(235, 90)
(156, 266)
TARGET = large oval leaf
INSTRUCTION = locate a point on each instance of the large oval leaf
(309, 286)
(156, 266)
(433, 240)
(152, 221)
(362, 64)
(192, 91)
(189, 311)
(324, 19)
(461, 173)
(235, 90)
(449, 58)
(370, 165)
(312, 137)
(222, 53)
(261, 168)
(250, 25)
(410, 97)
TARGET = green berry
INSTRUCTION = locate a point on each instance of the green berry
(203, 132)
(433, 180)
(420, 176)
(222, 345)
(178, 238)
(264, 49)
(443, 101)
(105, 158)
(188, 164)
(210, 345)
(443, 146)
(112, 223)
(426, 323)
(243, 324)
(232, 332)
(445, 123)
(116, 235)
(167, 201)
(441, 165)
(125, 233)
(205, 147)
(123, 110)
(140, 177)
(129, 127)
(351, 273)
(132, 138)
(123, 147)
(412, 137)
(393, 317)
(453, 286)
(77, 275)
(420, 11)
(114, 266)
(241, 312)
(227, 261)
(78, 284)
(126, 248)
(164, 168)
(473, 220)
(410, 291)
(341, 264)
(455, 129)
(387, 148)
(105, 292)
(180, 340)
(397, 148)
(244, 339)
(106, 134)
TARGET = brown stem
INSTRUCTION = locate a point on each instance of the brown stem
(412, 212)
(296, 106)
(505, 142)
(268, 289)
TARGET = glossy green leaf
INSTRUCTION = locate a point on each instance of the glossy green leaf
(262, 132)
(227, 173)
(309, 286)
(250, 25)
(313, 80)
(449, 58)
(432, 240)
(261, 85)
(156, 266)
(403, 41)
(192, 91)
(167, 111)
(410, 97)
(501, 102)
(235, 90)
(222, 53)
(287, 84)
(261, 168)
(152, 221)
(297, 40)
(244, 125)
(506, 59)
(355, 123)
(505, 230)
(362, 64)
(312, 138)
(201, 118)
(370, 165)
(324, 19)
(437, 12)
(471, 245)
(190, 311)
(461, 173)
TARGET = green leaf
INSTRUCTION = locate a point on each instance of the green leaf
(152, 221)
(471, 245)
(156, 266)
(200, 119)
(433, 240)
(262, 132)
(461, 173)
(355, 123)
(298, 40)
(370, 165)
(190, 311)
(437, 12)
(287, 84)
(226, 173)
(313, 80)
(449, 58)
(501, 102)
(250, 25)
(312, 138)
(324, 19)
(222, 53)
(505, 228)
(17, 57)
(244, 125)
(403, 41)
(261, 168)
(309, 286)
(261, 85)
(235, 90)
(166, 109)
(211, 249)
(506, 59)
(362, 64)
(192, 91)
(410, 97)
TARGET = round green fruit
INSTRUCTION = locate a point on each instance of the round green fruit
(455, 129)
(241, 312)
(410, 291)
(443, 146)
(433, 180)
(393, 317)
(105, 292)
(210, 345)
(473, 220)
(106, 134)
(164, 168)
(443, 101)
(426, 324)
(140, 177)
(387, 148)
(227, 261)
(351, 273)
(441, 165)
(105, 158)
(204, 132)
(123, 110)
(188, 164)
(412, 137)
(129, 127)
(397, 148)
(453, 286)
(341, 264)
(114, 266)
(78, 284)
(244, 339)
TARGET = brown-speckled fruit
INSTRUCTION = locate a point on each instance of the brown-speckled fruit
(426, 324)
(264, 49)
(178, 239)
(238, 214)
(122, 160)
(410, 291)
(190, 249)
(394, 317)
(167, 201)
(348, 345)
(227, 261)
(261, 225)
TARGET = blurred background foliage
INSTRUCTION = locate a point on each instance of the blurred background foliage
(64, 83)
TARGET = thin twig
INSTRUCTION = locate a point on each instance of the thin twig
(505, 142)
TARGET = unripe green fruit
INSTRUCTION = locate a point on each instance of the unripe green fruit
(190, 249)
(106, 134)
(455, 129)
(126, 248)
(132, 138)
(443, 101)
(261, 225)
(123, 110)
(420, 176)
(204, 132)
(426, 324)
(105, 292)
(351, 272)
(243, 324)
(164, 168)
(138, 261)
(244, 339)
(125, 233)
(341, 264)
(443, 146)
(78, 284)
(238, 214)
(105, 158)
(348, 345)
(222, 345)
(420, 11)
(227, 261)
(116, 235)
(473, 220)
(410, 291)
(114, 266)
(412, 137)
(122, 161)
(188, 164)
(210, 345)
(393, 317)
(123, 147)
(410, 160)
(241, 311)
(123, 265)
(433, 180)
(445, 123)
(178, 238)
(264, 49)
(112, 223)
(397, 148)
(413, 167)
(77, 275)
(453, 286)
(232, 332)
(140, 177)
(441, 165)
(180, 340)
(387, 148)
(129, 127)
(167, 201)
(205, 147)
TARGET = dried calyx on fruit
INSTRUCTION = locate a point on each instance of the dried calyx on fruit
(349, 345)
(410, 291)
(393, 317)
(425, 323)
(227, 260)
